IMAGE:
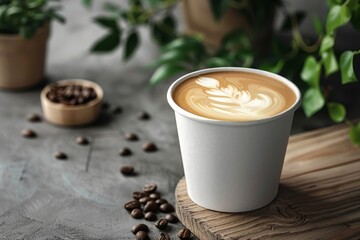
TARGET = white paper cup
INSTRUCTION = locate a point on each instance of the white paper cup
(233, 166)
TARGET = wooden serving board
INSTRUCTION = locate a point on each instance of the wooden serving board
(319, 196)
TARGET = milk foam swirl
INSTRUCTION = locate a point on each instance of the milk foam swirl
(234, 101)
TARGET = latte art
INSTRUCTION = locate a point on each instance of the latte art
(233, 96)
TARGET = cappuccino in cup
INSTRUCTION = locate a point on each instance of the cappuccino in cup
(233, 96)
(233, 126)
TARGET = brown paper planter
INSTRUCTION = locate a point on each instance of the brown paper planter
(22, 60)
(64, 115)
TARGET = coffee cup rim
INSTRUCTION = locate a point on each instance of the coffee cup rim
(274, 76)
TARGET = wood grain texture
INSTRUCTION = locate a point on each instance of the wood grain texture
(319, 196)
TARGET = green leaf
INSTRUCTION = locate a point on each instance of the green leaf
(164, 31)
(172, 56)
(299, 15)
(107, 43)
(275, 68)
(27, 32)
(337, 111)
(313, 101)
(236, 40)
(165, 71)
(330, 62)
(218, 8)
(337, 17)
(318, 25)
(311, 72)
(107, 22)
(184, 43)
(131, 44)
(326, 43)
(87, 3)
(217, 62)
(354, 133)
(346, 67)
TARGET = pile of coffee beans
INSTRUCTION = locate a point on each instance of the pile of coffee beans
(71, 94)
(148, 204)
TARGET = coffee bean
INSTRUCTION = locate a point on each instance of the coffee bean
(171, 218)
(166, 208)
(138, 195)
(154, 196)
(137, 213)
(81, 140)
(131, 137)
(28, 133)
(139, 227)
(184, 234)
(141, 235)
(149, 147)
(150, 187)
(127, 170)
(150, 206)
(117, 110)
(60, 155)
(161, 223)
(164, 236)
(160, 201)
(71, 94)
(125, 152)
(33, 117)
(132, 205)
(150, 216)
(143, 116)
(105, 105)
(144, 200)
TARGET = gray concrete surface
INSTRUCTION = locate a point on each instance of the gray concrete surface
(43, 198)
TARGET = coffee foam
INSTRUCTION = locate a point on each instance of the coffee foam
(233, 96)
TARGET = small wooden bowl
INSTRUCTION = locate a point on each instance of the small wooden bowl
(65, 115)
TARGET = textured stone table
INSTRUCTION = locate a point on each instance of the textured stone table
(82, 198)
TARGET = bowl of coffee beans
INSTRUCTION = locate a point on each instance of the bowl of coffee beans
(72, 102)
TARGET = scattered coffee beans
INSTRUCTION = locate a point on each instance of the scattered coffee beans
(171, 218)
(125, 152)
(137, 213)
(184, 234)
(28, 133)
(138, 195)
(143, 116)
(142, 235)
(150, 187)
(160, 201)
(161, 223)
(33, 117)
(117, 110)
(81, 140)
(132, 205)
(149, 147)
(150, 206)
(139, 227)
(60, 155)
(164, 236)
(166, 208)
(127, 170)
(150, 216)
(144, 200)
(71, 94)
(131, 137)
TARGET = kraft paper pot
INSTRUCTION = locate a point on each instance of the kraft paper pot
(233, 166)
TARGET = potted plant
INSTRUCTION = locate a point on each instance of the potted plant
(24, 30)
(310, 63)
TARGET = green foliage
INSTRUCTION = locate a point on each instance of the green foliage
(25, 17)
(337, 111)
(355, 133)
(314, 61)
